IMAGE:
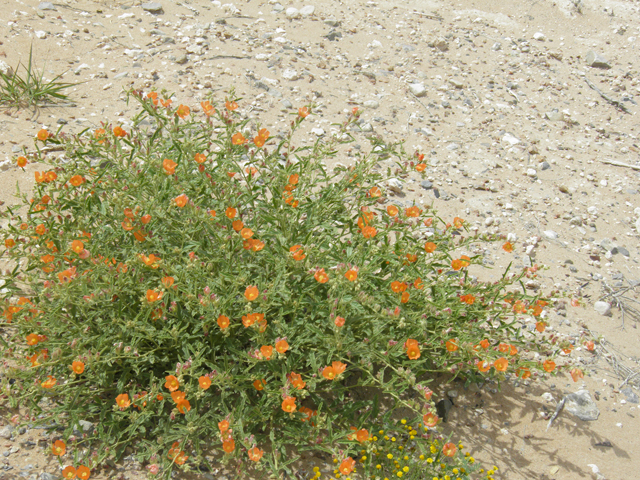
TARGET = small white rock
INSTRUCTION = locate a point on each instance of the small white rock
(510, 139)
(307, 10)
(290, 74)
(418, 89)
(531, 172)
(539, 36)
(41, 34)
(371, 104)
(317, 131)
(603, 308)
(395, 185)
(550, 234)
(292, 13)
(603, 183)
(592, 210)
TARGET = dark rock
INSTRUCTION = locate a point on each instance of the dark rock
(426, 184)
(632, 397)
(581, 405)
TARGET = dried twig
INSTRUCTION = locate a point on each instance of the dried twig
(559, 408)
(612, 101)
(620, 164)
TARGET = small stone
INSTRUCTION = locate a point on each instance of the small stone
(317, 131)
(581, 405)
(418, 89)
(332, 22)
(366, 127)
(563, 189)
(539, 36)
(554, 116)
(152, 7)
(531, 172)
(621, 250)
(277, 8)
(596, 60)
(456, 83)
(550, 234)
(333, 35)
(510, 139)
(371, 104)
(292, 13)
(603, 308)
(545, 166)
(426, 184)
(290, 74)
(286, 103)
(496, 46)
(6, 431)
(41, 34)
(46, 476)
(46, 6)
(395, 185)
(441, 44)
(182, 59)
(307, 10)
(632, 397)
(5, 69)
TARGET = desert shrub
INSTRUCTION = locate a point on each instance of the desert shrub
(197, 288)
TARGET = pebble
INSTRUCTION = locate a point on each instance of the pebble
(5, 69)
(550, 234)
(539, 36)
(632, 397)
(531, 172)
(418, 89)
(603, 308)
(545, 166)
(292, 13)
(317, 131)
(332, 22)
(152, 7)
(581, 405)
(510, 139)
(6, 431)
(41, 34)
(371, 104)
(596, 60)
(290, 74)
(426, 184)
(46, 6)
(307, 10)
(395, 185)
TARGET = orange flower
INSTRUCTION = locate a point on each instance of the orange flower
(458, 222)
(251, 293)
(181, 200)
(223, 322)
(321, 276)
(430, 419)
(413, 211)
(200, 158)
(484, 343)
(351, 275)
(178, 396)
(392, 210)
(69, 472)
(77, 246)
(167, 281)
(362, 435)
(76, 180)
(154, 296)
(33, 339)
(338, 367)
(223, 426)
(576, 374)
(413, 350)
(549, 365)
(457, 264)
(282, 346)
(40, 177)
(207, 108)
(83, 472)
(237, 225)
(41, 229)
(289, 404)
(205, 382)
(259, 141)
(266, 351)
(296, 380)
(123, 401)
(468, 299)
(449, 449)
(171, 383)
(238, 139)
(430, 247)
(526, 373)
(9, 243)
(452, 345)
(230, 212)
(369, 232)
(411, 257)
(404, 298)
(347, 465)
(43, 135)
(589, 345)
(169, 166)
(183, 406)
(328, 373)
(420, 167)
(259, 384)
(507, 247)
(339, 321)
(49, 382)
(483, 366)
(58, 448)
(303, 112)
(231, 105)
(297, 253)
(166, 103)
(183, 111)
(374, 192)
(501, 364)
(77, 366)
(540, 326)
(119, 132)
(255, 454)
(398, 287)
(229, 445)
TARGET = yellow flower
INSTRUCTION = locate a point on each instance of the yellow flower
(389, 456)
(399, 474)
(429, 460)
(406, 469)
(381, 432)
(421, 457)
(375, 439)
(403, 421)
(378, 466)
(393, 439)
(316, 469)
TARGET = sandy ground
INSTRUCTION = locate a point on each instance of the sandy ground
(519, 131)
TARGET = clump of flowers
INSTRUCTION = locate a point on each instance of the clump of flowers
(197, 278)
